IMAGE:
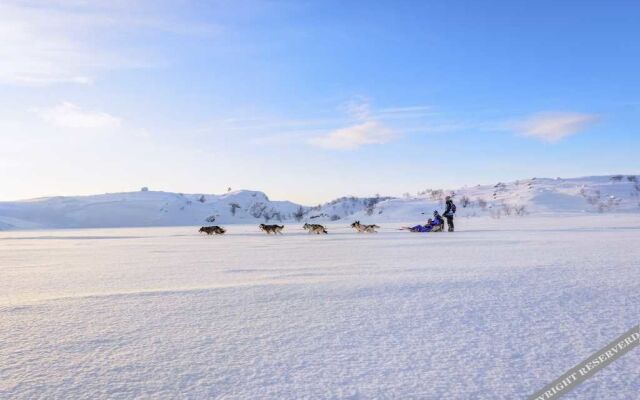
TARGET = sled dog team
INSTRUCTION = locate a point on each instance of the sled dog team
(435, 224)
(275, 229)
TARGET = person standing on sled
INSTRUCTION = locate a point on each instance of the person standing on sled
(449, 211)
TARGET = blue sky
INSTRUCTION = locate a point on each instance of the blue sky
(313, 100)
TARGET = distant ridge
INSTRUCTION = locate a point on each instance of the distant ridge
(592, 194)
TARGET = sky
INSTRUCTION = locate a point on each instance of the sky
(313, 100)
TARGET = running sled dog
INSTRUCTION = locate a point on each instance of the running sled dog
(210, 230)
(364, 228)
(315, 228)
(269, 229)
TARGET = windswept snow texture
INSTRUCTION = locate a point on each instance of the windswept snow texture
(494, 311)
(599, 194)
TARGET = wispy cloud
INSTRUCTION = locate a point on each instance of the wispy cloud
(553, 127)
(69, 115)
(352, 137)
(359, 108)
(363, 124)
(345, 126)
(49, 42)
(406, 113)
(366, 130)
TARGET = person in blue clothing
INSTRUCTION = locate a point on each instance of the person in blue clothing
(449, 212)
(433, 225)
(438, 222)
(428, 227)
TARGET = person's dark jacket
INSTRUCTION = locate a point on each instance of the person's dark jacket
(448, 212)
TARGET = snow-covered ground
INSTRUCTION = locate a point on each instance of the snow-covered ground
(496, 310)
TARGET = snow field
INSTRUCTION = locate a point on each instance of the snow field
(496, 310)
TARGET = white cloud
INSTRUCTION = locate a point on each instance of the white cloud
(370, 132)
(553, 127)
(361, 124)
(367, 128)
(69, 115)
(48, 42)
(44, 45)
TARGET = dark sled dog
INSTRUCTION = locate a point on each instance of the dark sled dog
(364, 228)
(315, 228)
(210, 230)
(269, 229)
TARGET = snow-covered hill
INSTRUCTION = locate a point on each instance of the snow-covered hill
(595, 194)
(144, 208)
(616, 193)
